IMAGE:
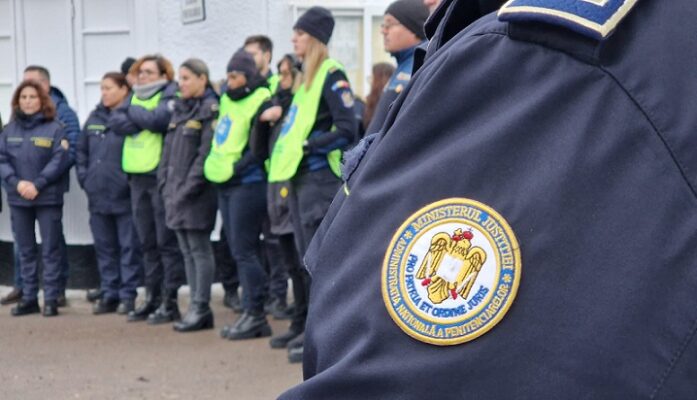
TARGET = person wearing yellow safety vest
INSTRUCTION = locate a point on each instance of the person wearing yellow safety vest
(241, 181)
(143, 118)
(319, 125)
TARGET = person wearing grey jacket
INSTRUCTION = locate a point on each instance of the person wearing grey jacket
(190, 200)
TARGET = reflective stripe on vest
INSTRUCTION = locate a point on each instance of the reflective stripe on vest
(288, 150)
(232, 134)
(142, 152)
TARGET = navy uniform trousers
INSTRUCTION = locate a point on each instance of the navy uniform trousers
(51, 228)
(118, 254)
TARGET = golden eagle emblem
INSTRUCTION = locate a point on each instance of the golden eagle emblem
(451, 266)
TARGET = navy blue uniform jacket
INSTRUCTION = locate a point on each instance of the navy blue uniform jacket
(67, 116)
(99, 172)
(589, 150)
(32, 149)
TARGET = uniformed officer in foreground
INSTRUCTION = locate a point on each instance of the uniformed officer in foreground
(524, 227)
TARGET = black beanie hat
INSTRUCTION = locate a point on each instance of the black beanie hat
(318, 22)
(127, 64)
(410, 13)
(243, 62)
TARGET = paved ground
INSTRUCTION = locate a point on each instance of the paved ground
(80, 356)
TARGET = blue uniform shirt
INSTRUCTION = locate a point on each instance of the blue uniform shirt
(585, 148)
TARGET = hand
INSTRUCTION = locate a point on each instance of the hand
(22, 187)
(29, 191)
(271, 114)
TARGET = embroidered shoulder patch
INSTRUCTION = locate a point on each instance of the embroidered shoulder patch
(594, 18)
(451, 272)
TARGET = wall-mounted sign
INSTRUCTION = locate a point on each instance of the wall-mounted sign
(193, 11)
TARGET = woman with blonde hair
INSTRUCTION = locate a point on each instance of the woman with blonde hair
(319, 125)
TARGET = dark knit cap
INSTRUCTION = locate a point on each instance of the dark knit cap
(318, 22)
(243, 62)
(410, 13)
(127, 64)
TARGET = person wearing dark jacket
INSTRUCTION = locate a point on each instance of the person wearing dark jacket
(241, 183)
(403, 31)
(190, 200)
(143, 118)
(556, 140)
(319, 125)
(71, 125)
(99, 152)
(34, 165)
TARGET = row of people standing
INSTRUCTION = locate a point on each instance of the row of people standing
(155, 161)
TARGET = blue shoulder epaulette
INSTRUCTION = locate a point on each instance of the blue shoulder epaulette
(594, 18)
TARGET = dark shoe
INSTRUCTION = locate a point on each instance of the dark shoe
(50, 308)
(167, 312)
(94, 294)
(61, 301)
(277, 308)
(198, 317)
(250, 326)
(152, 301)
(13, 297)
(105, 306)
(227, 329)
(125, 306)
(232, 300)
(295, 355)
(26, 308)
(281, 341)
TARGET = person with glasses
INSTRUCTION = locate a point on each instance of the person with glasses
(402, 29)
(144, 118)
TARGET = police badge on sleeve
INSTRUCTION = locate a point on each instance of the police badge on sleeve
(451, 272)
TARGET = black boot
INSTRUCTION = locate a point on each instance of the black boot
(25, 308)
(94, 294)
(249, 326)
(125, 306)
(13, 297)
(278, 308)
(168, 310)
(232, 300)
(105, 306)
(152, 300)
(281, 341)
(198, 317)
(50, 308)
(295, 349)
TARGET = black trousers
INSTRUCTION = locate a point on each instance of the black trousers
(162, 260)
(311, 195)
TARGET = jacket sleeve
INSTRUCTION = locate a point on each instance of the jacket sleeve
(156, 120)
(57, 166)
(339, 97)
(72, 127)
(164, 160)
(196, 180)
(119, 121)
(248, 157)
(7, 170)
(82, 155)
